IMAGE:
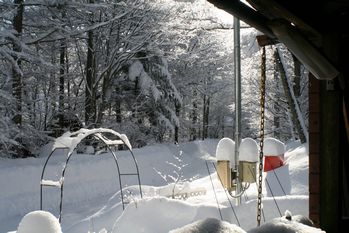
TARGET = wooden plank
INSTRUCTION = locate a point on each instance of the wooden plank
(314, 150)
(264, 40)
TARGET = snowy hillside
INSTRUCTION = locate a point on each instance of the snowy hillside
(92, 198)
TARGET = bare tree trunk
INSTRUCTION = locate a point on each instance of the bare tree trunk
(90, 92)
(176, 134)
(62, 51)
(68, 81)
(194, 117)
(276, 106)
(103, 103)
(205, 117)
(16, 72)
(117, 105)
(295, 117)
(297, 76)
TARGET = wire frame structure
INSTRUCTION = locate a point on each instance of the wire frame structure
(69, 141)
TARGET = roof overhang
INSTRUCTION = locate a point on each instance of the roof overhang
(281, 24)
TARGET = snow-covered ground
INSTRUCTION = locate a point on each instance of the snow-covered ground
(92, 201)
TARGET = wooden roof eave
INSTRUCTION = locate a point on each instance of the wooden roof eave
(281, 30)
(246, 14)
(273, 10)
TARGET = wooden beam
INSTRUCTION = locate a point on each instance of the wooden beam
(274, 10)
(305, 51)
(264, 40)
(314, 150)
(282, 30)
(246, 14)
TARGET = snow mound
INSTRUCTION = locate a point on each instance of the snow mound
(158, 214)
(278, 225)
(39, 222)
(209, 225)
(226, 150)
(273, 147)
(248, 150)
(283, 225)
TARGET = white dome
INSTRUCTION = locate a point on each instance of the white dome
(248, 150)
(226, 150)
(273, 147)
(39, 222)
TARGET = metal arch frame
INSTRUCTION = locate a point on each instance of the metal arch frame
(98, 135)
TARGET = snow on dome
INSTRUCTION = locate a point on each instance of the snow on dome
(39, 222)
(226, 150)
(273, 147)
(209, 225)
(248, 150)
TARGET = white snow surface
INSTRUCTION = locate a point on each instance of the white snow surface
(39, 222)
(273, 147)
(92, 195)
(248, 150)
(226, 150)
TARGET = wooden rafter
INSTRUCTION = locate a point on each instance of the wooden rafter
(274, 10)
(246, 14)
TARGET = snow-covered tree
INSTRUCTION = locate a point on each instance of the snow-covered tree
(158, 70)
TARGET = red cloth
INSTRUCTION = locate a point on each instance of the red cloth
(272, 162)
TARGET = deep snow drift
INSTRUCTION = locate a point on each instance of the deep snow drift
(92, 198)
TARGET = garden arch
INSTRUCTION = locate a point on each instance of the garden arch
(69, 141)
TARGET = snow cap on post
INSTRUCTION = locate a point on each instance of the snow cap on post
(273, 147)
(226, 151)
(39, 222)
(248, 150)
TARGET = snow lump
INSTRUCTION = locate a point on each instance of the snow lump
(273, 147)
(226, 150)
(209, 225)
(39, 222)
(248, 150)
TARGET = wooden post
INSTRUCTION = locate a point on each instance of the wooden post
(329, 156)
(314, 150)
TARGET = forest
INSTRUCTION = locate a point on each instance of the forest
(155, 70)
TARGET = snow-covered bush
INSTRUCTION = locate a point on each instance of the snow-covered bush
(176, 178)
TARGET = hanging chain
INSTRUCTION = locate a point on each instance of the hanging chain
(261, 143)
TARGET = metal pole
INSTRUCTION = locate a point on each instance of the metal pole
(237, 74)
